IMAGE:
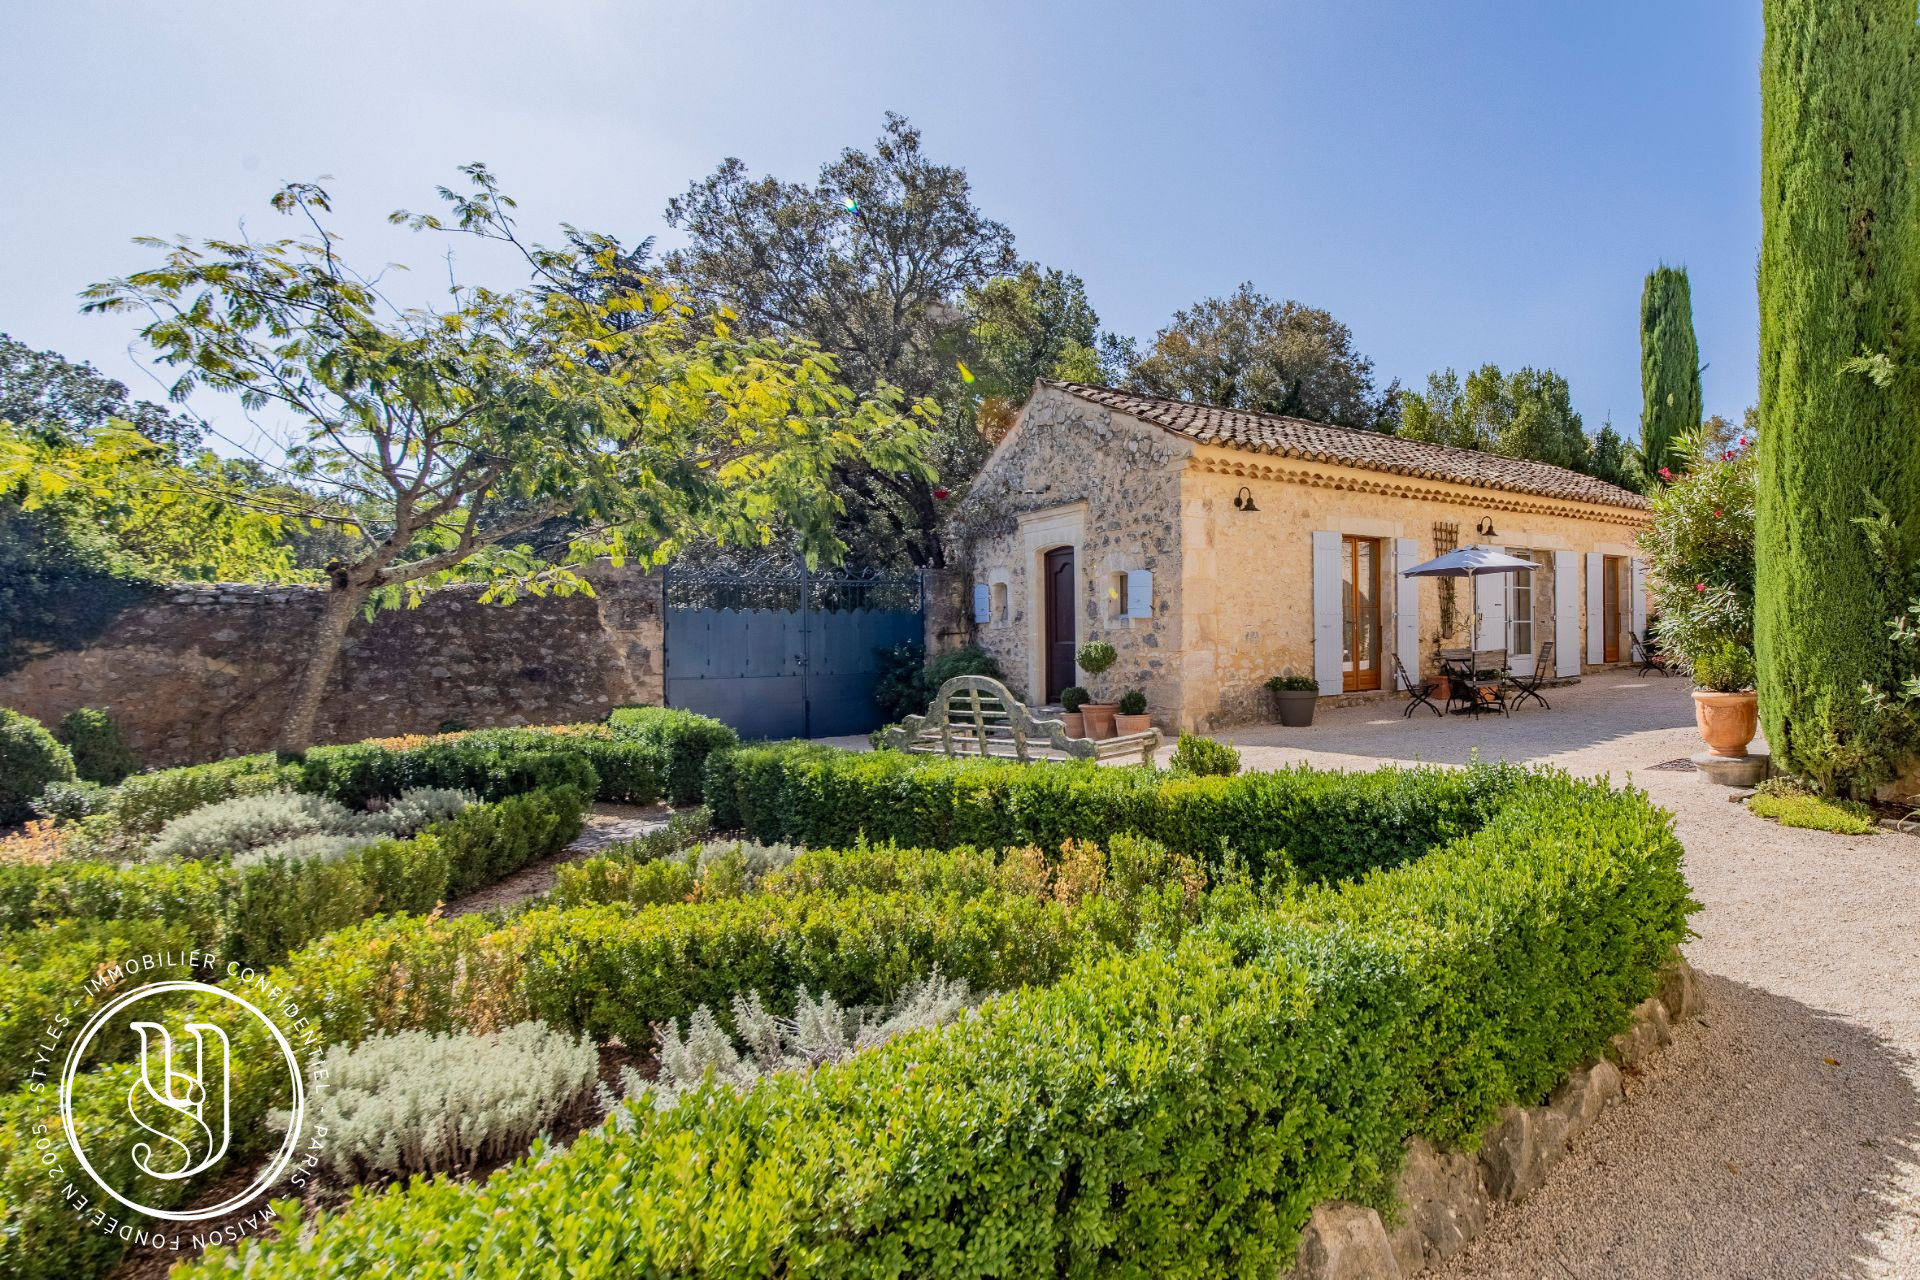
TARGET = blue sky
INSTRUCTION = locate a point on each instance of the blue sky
(1458, 183)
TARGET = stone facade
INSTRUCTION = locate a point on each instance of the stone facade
(204, 672)
(1233, 585)
(1077, 474)
(1249, 588)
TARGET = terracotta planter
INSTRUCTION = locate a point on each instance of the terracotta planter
(1295, 706)
(1075, 722)
(1727, 721)
(1099, 718)
(1124, 725)
(1443, 688)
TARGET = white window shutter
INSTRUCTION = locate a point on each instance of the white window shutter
(1139, 593)
(1406, 607)
(1490, 601)
(982, 603)
(1596, 607)
(1638, 579)
(1566, 613)
(1326, 611)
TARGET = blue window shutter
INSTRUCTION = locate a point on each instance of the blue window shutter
(1139, 593)
(981, 605)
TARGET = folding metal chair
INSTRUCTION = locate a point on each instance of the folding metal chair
(1649, 659)
(1465, 685)
(1525, 687)
(1419, 692)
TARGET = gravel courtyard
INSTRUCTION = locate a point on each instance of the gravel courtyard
(1780, 1136)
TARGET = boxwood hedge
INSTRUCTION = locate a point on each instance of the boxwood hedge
(685, 738)
(641, 755)
(611, 971)
(259, 914)
(1331, 826)
(1171, 1112)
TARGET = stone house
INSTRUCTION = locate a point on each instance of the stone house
(1214, 548)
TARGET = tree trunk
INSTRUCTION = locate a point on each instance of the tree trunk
(296, 732)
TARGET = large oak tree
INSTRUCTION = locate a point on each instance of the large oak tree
(871, 261)
(1247, 351)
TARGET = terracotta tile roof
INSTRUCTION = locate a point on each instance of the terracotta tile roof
(1372, 450)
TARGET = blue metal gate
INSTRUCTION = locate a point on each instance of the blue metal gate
(777, 651)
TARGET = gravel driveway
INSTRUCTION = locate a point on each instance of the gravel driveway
(1781, 1135)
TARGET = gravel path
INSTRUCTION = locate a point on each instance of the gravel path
(605, 824)
(1780, 1137)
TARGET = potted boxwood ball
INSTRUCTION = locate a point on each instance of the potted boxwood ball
(1094, 659)
(1132, 716)
(1725, 705)
(1293, 698)
(1072, 698)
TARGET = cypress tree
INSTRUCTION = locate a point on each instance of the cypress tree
(1839, 84)
(1669, 364)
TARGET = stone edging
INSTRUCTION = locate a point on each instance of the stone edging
(1446, 1196)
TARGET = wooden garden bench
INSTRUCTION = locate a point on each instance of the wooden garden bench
(979, 716)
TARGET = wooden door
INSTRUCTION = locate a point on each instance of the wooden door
(1059, 614)
(1610, 608)
(1360, 613)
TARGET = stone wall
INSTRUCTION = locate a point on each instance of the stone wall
(205, 672)
(1073, 473)
(949, 620)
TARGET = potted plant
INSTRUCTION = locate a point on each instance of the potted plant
(1700, 551)
(1072, 698)
(1293, 698)
(1725, 705)
(1095, 658)
(1132, 716)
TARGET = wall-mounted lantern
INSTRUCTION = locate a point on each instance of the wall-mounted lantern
(1243, 500)
(1485, 527)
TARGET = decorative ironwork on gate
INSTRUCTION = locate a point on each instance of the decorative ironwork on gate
(786, 583)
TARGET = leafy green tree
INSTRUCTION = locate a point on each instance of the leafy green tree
(1838, 507)
(1033, 323)
(62, 581)
(1612, 459)
(201, 519)
(42, 393)
(452, 432)
(871, 262)
(77, 421)
(1524, 414)
(1669, 366)
(1719, 433)
(1443, 413)
(1541, 423)
(1247, 351)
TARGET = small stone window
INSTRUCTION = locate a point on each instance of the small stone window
(997, 605)
(1139, 593)
(1130, 594)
